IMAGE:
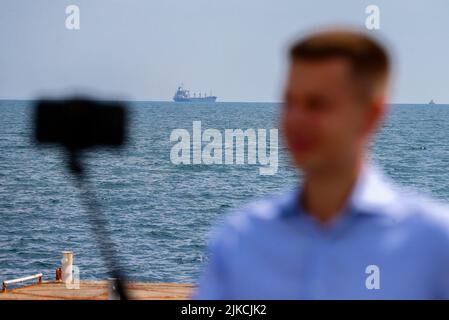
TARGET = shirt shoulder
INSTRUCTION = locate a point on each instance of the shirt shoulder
(377, 195)
(427, 213)
(251, 219)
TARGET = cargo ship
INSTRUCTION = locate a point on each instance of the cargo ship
(183, 95)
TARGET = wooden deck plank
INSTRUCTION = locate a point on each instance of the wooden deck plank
(98, 290)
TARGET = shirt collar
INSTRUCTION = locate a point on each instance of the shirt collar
(373, 193)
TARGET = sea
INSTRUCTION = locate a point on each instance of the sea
(159, 214)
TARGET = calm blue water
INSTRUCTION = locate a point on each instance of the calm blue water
(160, 213)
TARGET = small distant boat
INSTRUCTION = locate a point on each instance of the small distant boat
(432, 102)
(183, 95)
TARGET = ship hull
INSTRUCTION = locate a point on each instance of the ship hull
(205, 99)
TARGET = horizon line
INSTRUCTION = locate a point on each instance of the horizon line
(139, 100)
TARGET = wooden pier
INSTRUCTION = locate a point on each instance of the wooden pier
(98, 290)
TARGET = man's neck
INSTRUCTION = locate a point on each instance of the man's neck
(325, 194)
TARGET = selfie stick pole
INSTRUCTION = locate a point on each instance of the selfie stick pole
(98, 223)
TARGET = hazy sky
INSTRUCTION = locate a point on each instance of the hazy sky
(142, 49)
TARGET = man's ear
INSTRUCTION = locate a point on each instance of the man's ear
(377, 110)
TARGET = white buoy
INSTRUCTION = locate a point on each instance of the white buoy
(67, 267)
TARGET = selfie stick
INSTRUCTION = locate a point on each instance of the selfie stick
(98, 223)
(77, 124)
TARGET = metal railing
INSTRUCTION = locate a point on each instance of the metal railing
(23, 279)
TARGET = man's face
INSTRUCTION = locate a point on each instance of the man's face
(324, 120)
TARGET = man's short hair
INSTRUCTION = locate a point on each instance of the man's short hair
(368, 59)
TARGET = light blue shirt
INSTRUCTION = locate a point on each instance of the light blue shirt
(386, 244)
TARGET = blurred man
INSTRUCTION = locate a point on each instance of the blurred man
(346, 232)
